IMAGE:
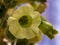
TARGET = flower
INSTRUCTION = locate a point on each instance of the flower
(24, 22)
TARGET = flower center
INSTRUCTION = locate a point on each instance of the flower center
(25, 21)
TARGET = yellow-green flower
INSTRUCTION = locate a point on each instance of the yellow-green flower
(24, 23)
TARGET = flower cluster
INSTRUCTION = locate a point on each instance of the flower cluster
(21, 22)
(26, 23)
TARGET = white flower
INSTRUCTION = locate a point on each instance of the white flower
(24, 23)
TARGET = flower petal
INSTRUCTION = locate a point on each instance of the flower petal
(23, 10)
(13, 23)
(17, 31)
(20, 32)
(38, 33)
(25, 33)
(36, 18)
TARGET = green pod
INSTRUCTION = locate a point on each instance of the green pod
(53, 31)
(47, 29)
(45, 26)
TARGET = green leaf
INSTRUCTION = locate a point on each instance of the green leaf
(10, 3)
(40, 0)
(22, 42)
(2, 10)
(3, 43)
(10, 36)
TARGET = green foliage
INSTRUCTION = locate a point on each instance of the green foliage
(3, 43)
(10, 36)
(10, 3)
(23, 42)
(42, 1)
(2, 10)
